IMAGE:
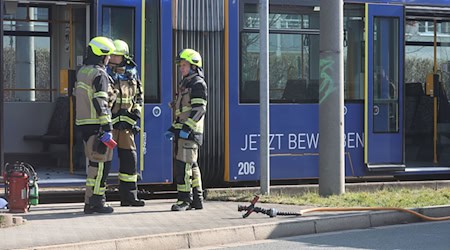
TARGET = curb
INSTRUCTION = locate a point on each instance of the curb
(270, 230)
(8, 220)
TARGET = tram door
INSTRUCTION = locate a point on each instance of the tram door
(383, 125)
(125, 20)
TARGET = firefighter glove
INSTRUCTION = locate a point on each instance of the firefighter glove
(184, 134)
(106, 137)
(168, 135)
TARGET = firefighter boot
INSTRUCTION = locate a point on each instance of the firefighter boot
(183, 203)
(88, 209)
(97, 205)
(134, 202)
(128, 195)
(197, 201)
(181, 206)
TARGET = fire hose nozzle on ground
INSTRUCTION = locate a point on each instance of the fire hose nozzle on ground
(272, 212)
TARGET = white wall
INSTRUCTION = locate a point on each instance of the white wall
(21, 119)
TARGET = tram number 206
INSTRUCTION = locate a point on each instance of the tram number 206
(246, 168)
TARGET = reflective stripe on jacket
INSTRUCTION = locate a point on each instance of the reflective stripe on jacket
(128, 105)
(92, 102)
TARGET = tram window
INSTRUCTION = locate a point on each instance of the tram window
(118, 23)
(26, 49)
(354, 52)
(385, 75)
(419, 52)
(443, 59)
(427, 28)
(33, 19)
(152, 84)
(293, 55)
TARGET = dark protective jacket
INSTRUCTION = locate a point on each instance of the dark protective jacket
(127, 108)
(190, 106)
(94, 96)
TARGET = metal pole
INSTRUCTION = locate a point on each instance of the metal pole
(331, 107)
(435, 96)
(264, 96)
(1, 90)
(25, 57)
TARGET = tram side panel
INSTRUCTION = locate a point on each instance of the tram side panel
(294, 141)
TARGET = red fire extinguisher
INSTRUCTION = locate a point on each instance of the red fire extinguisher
(21, 188)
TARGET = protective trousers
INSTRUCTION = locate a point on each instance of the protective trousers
(187, 171)
(126, 149)
(100, 158)
(96, 183)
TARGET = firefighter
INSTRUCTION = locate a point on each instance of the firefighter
(94, 96)
(125, 113)
(187, 130)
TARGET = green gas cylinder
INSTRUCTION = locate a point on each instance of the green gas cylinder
(34, 194)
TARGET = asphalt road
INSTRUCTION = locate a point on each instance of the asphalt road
(425, 235)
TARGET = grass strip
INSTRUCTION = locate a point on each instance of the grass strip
(389, 197)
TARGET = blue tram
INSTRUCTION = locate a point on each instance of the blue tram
(397, 84)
